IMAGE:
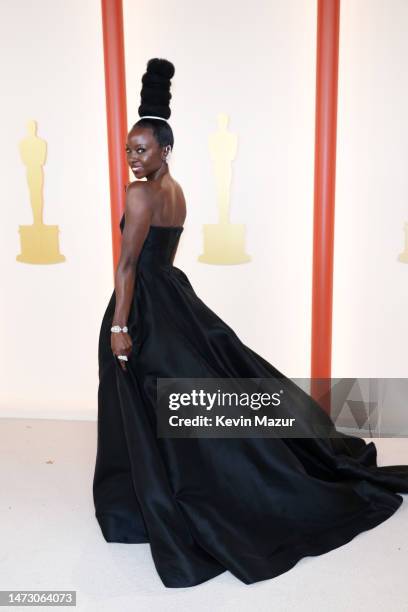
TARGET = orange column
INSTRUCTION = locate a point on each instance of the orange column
(115, 89)
(328, 19)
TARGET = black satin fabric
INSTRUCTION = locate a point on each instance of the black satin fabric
(253, 506)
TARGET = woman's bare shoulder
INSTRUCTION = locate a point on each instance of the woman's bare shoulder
(135, 185)
(180, 190)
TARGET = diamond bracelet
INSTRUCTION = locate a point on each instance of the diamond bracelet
(116, 329)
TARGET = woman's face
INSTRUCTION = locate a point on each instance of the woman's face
(144, 155)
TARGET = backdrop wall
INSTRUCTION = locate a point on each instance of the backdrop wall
(257, 64)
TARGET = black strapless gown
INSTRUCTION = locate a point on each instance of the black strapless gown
(253, 506)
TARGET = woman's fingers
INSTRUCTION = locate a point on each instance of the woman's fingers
(121, 345)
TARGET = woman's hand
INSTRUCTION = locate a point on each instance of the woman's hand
(121, 344)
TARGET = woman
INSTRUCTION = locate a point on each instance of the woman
(253, 506)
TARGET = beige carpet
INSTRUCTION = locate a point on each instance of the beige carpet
(51, 540)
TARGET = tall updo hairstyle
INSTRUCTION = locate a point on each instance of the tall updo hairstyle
(155, 100)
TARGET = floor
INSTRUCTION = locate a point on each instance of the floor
(50, 540)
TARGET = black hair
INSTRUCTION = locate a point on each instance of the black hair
(155, 100)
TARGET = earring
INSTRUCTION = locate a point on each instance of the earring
(165, 159)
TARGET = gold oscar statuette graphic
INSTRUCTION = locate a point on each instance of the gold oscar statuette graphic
(403, 257)
(38, 242)
(224, 242)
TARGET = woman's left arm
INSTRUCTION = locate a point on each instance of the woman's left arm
(138, 214)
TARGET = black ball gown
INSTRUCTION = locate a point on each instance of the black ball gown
(253, 506)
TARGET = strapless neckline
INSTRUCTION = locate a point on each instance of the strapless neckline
(168, 226)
